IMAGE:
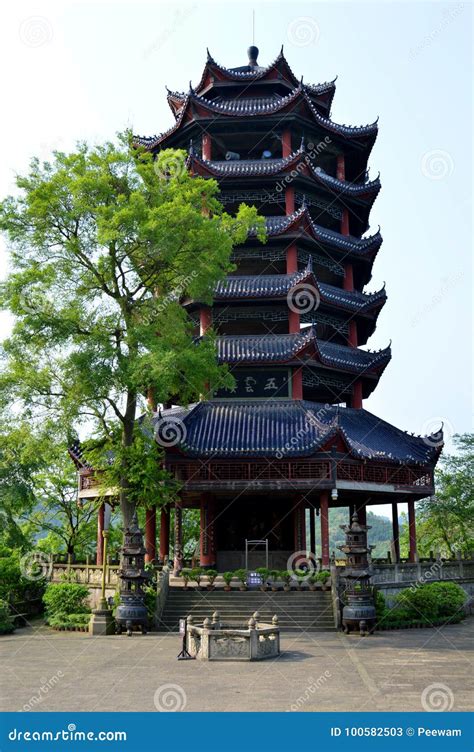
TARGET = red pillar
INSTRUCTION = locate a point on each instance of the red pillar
(348, 283)
(357, 395)
(341, 167)
(100, 538)
(205, 319)
(207, 534)
(291, 259)
(352, 336)
(299, 525)
(297, 384)
(178, 536)
(150, 534)
(289, 199)
(395, 531)
(345, 222)
(164, 534)
(206, 146)
(324, 514)
(293, 321)
(412, 529)
(286, 143)
(312, 530)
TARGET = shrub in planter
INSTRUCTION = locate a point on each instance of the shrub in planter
(449, 597)
(313, 580)
(286, 577)
(241, 575)
(6, 621)
(274, 578)
(323, 576)
(65, 598)
(264, 573)
(228, 577)
(196, 575)
(186, 575)
(71, 622)
(211, 576)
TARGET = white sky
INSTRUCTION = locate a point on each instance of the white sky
(82, 71)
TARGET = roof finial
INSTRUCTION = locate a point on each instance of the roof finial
(252, 52)
(303, 203)
(302, 145)
(191, 148)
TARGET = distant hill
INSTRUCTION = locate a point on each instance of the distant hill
(380, 535)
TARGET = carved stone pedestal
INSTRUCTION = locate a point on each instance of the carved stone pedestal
(101, 622)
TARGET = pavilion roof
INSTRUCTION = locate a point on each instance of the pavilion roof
(280, 166)
(259, 286)
(297, 428)
(282, 348)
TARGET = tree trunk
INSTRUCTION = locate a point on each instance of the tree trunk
(126, 507)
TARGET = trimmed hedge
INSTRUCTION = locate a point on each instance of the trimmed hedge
(426, 605)
(65, 599)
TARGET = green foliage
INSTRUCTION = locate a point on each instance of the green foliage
(264, 572)
(196, 574)
(65, 598)
(6, 621)
(380, 605)
(14, 586)
(241, 575)
(323, 576)
(104, 244)
(69, 621)
(275, 575)
(228, 577)
(150, 600)
(429, 604)
(211, 574)
(445, 522)
(286, 576)
(186, 575)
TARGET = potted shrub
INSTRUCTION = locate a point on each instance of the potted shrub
(228, 577)
(264, 573)
(300, 576)
(286, 577)
(313, 580)
(274, 577)
(241, 575)
(186, 575)
(196, 575)
(323, 577)
(211, 576)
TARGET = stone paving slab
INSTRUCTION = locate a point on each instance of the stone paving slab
(59, 671)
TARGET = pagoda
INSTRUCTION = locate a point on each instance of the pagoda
(267, 459)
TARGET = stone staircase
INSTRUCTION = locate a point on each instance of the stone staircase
(296, 610)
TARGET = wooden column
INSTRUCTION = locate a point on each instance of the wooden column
(297, 384)
(207, 532)
(206, 146)
(164, 534)
(352, 339)
(205, 319)
(289, 199)
(348, 282)
(99, 559)
(178, 536)
(357, 395)
(312, 530)
(345, 222)
(362, 514)
(324, 514)
(150, 534)
(299, 524)
(293, 321)
(292, 259)
(412, 529)
(395, 532)
(286, 143)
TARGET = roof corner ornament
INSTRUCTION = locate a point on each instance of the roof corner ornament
(302, 145)
(191, 148)
(252, 53)
(210, 59)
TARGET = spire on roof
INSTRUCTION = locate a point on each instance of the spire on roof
(252, 52)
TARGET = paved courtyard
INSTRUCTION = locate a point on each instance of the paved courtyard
(47, 671)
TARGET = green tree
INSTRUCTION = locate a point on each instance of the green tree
(105, 243)
(445, 522)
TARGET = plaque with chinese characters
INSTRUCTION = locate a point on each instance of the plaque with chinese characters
(249, 382)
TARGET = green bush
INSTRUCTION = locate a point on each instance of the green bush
(6, 621)
(431, 603)
(274, 575)
(186, 575)
(14, 587)
(450, 598)
(69, 621)
(380, 605)
(323, 576)
(211, 574)
(228, 577)
(196, 574)
(65, 598)
(241, 575)
(286, 576)
(263, 572)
